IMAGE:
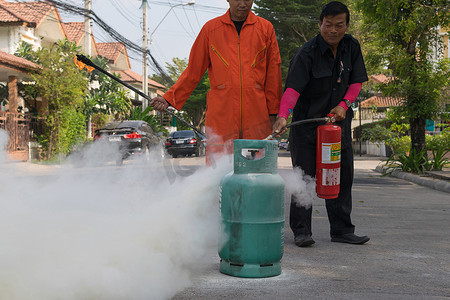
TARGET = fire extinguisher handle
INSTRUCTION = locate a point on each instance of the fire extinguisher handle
(331, 118)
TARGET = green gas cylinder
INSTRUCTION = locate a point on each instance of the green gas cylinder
(252, 210)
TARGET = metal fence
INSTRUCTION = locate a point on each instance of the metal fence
(21, 128)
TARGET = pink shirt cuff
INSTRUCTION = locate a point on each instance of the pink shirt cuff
(288, 102)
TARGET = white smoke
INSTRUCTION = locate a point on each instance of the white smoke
(301, 186)
(106, 232)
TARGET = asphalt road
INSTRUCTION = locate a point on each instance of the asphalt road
(408, 256)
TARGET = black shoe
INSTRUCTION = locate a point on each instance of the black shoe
(350, 238)
(303, 240)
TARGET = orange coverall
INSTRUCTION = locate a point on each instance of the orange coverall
(245, 78)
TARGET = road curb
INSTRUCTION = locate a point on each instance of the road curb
(439, 185)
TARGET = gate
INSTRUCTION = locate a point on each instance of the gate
(17, 125)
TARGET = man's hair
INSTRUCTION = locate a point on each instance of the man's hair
(334, 8)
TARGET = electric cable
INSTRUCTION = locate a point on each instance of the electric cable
(113, 33)
(189, 22)
(196, 17)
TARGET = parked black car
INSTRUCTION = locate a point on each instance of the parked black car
(133, 137)
(185, 142)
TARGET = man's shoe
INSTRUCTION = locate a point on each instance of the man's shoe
(303, 240)
(350, 238)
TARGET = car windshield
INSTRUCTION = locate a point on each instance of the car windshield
(183, 134)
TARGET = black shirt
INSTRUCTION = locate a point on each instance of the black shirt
(314, 73)
(238, 25)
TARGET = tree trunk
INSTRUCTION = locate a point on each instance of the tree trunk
(417, 134)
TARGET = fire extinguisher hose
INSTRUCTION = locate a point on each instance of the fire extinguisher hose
(324, 119)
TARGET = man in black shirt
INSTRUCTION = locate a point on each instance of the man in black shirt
(325, 76)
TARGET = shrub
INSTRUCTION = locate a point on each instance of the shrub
(400, 144)
(413, 162)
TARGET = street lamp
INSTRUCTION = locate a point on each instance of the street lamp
(192, 2)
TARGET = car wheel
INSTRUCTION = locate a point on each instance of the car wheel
(174, 155)
(197, 152)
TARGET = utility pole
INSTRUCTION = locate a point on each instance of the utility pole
(144, 54)
(88, 47)
(87, 28)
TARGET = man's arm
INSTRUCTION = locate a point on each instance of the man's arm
(288, 102)
(199, 61)
(272, 88)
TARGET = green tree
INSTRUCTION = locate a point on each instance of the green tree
(105, 95)
(63, 86)
(295, 22)
(371, 53)
(174, 70)
(406, 35)
(136, 113)
(25, 50)
(195, 107)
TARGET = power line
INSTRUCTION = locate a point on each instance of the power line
(189, 22)
(112, 32)
(53, 19)
(196, 17)
(121, 11)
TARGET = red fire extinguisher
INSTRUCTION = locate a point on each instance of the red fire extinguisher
(328, 160)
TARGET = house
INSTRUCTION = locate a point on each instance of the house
(12, 70)
(75, 33)
(39, 24)
(135, 80)
(374, 108)
(118, 61)
(36, 23)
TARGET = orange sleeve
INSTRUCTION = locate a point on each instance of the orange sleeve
(198, 63)
(273, 87)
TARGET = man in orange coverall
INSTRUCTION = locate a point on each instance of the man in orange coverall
(241, 53)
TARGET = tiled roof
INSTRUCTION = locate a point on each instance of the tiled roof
(131, 76)
(25, 12)
(74, 31)
(8, 16)
(379, 78)
(381, 101)
(156, 84)
(110, 51)
(17, 62)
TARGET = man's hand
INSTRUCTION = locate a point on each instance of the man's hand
(339, 113)
(278, 128)
(159, 103)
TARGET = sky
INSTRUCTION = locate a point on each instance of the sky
(174, 36)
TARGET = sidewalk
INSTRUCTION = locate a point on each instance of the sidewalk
(438, 180)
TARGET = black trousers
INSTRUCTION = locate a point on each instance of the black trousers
(303, 155)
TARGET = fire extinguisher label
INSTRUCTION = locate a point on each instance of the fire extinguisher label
(331, 153)
(331, 177)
